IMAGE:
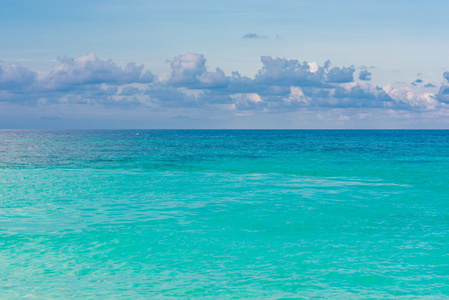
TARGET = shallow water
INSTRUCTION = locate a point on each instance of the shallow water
(224, 214)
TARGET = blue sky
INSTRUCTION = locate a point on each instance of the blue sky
(216, 64)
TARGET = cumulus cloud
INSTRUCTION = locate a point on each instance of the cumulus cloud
(297, 96)
(14, 76)
(405, 96)
(280, 85)
(363, 93)
(443, 94)
(365, 75)
(283, 72)
(90, 70)
(189, 70)
(86, 79)
(247, 101)
(341, 75)
(283, 84)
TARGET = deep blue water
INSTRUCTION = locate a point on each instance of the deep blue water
(263, 214)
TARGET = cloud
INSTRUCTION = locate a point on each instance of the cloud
(86, 79)
(130, 91)
(168, 96)
(247, 101)
(281, 85)
(359, 92)
(443, 94)
(405, 97)
(297, 96)
(253, 36)
(283, 72)
(365, 75)
(446, 75)
(189, 70)
(14, 77)
(341, 75)
(90, 70)
(417, 81)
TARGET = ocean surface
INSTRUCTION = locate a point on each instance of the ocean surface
(226, 214)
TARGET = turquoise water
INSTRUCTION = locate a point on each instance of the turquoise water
(224, 214)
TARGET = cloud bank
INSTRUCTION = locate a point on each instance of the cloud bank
(281, 85)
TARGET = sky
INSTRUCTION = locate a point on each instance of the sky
(302, 64)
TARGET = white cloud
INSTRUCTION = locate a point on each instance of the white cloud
(90, 70)
(189, 70)
(313, 67)
(283, 72)
(14, 76)
(247, 101)
(407, 96)
(296, 95)
(281, 85)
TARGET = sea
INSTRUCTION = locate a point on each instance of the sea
(224, 214)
